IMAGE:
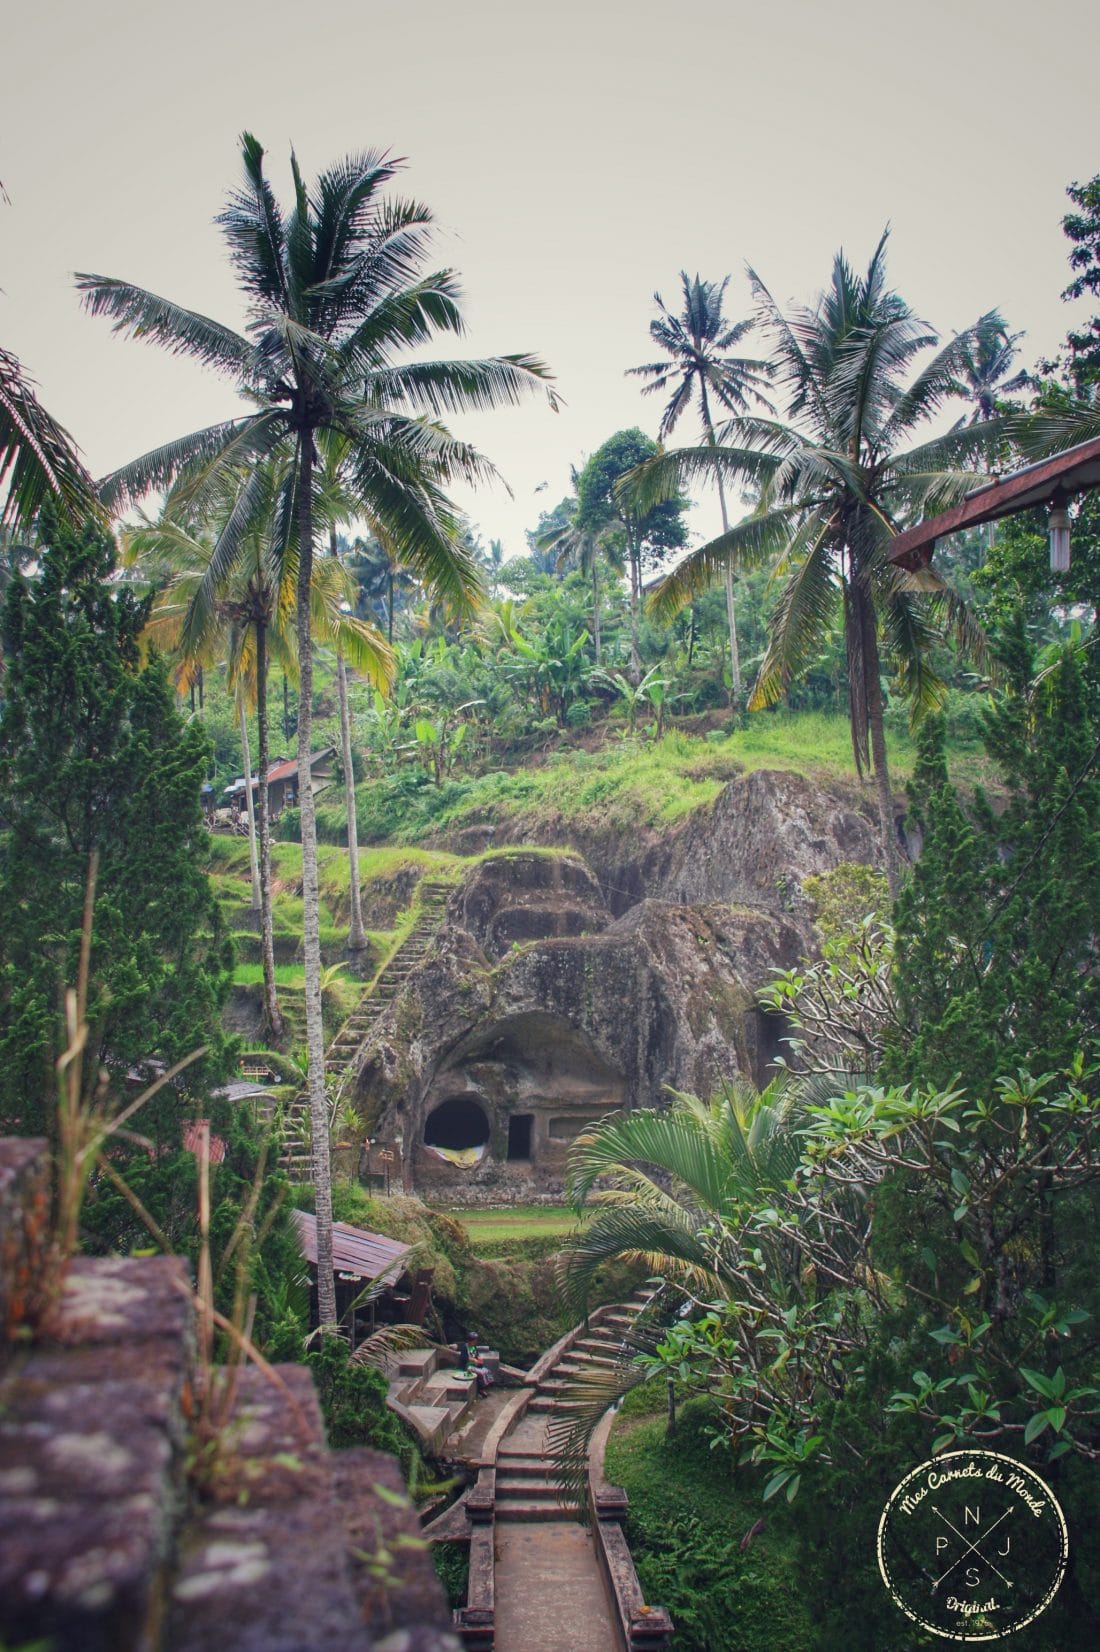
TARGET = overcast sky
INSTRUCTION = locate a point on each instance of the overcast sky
(577, 154)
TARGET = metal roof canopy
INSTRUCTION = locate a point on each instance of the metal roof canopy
(1074, 471)
(354, 1251)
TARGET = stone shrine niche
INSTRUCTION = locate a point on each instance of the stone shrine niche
(499, 1118)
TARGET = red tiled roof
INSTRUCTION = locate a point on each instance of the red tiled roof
(354, 1251)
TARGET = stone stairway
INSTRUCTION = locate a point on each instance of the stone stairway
(526, 1483)
(538, 1577)
(111, 1540)
(342, 1055)
(435, 1401)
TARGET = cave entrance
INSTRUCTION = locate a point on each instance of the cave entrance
(519, 1135)
(457, 1124)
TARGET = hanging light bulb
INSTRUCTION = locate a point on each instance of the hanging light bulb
(1058, 523)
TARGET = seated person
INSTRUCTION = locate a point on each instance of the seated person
(470, 1360)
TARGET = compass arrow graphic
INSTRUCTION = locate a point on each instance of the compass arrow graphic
(971, 1547)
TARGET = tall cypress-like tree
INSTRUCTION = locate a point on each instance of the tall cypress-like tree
(94, 757)
(997, 954)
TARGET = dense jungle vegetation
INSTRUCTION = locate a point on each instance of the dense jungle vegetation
(891, 1250)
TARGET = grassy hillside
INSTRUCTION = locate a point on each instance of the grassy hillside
(637, 781)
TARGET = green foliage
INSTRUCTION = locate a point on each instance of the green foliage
(843, 897)
(452, 1567)
(167, 1187)
(94, 758)
(1083, 229)
(649, 531)
(688, 1516)
(997, 932)
(353, 1402)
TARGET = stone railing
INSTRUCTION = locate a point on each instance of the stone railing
(110, 1541)
(641, 1628)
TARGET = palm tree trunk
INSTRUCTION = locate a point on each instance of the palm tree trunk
(596, 609)
(272, 1012)
(635, 584)
(357, 935)
(731, 610)
(315, 1036)
(877, 732)
(257, 901)
(389, 608)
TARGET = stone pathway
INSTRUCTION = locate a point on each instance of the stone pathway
(549, 1591)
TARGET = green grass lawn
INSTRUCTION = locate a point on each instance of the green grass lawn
(286, 975)
(513, 1222)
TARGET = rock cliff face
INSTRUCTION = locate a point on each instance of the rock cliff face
(753, 846)
(562, 986)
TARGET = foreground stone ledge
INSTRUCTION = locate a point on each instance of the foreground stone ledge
(392, 1573)
(89, 1439)
(262, 1565)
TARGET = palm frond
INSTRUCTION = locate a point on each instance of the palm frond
(182, 332)
(38, 458)
(747, 545)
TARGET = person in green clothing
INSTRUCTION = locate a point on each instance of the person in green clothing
(469, 1359)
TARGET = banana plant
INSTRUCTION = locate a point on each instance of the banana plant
(652, 690)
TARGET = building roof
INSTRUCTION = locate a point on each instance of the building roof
(1076, 469)
(355, 1252)
(284, 769)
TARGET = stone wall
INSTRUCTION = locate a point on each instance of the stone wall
(116, 1537)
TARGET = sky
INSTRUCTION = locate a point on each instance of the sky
(576, 155)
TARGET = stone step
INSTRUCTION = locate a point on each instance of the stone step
(524, 1468)
(532, 1491)
(535, 1485)
(532, 1510)
(570, 1370)
(450, 1388)
(432, 1423)
(417, 1362)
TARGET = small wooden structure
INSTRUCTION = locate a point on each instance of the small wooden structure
(282, 781)
(358, 1259)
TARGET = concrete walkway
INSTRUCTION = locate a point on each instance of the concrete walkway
(549, 1593)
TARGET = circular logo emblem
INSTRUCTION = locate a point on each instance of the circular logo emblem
(972, 1545)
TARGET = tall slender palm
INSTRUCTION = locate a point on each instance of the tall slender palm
(245, 605)
(835, 483)
(697, 342)
(334, 295)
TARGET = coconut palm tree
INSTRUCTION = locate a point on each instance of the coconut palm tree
(834, 484)
(986, 362)
(244, 605)
(697, 342)
(38, 458)
(334, 295)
